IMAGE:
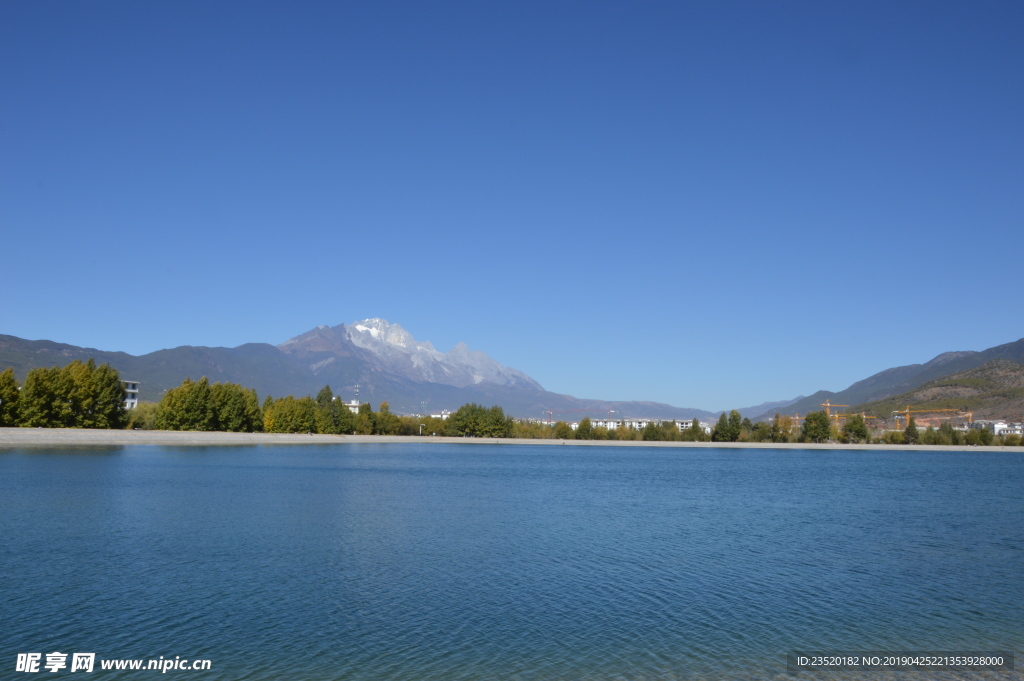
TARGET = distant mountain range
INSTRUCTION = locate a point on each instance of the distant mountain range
(993, 390)
(388, 364)
(380, 361)
(903, 379)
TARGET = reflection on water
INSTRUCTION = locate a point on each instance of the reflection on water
(417, 561)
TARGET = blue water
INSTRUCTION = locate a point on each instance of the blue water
(425, 561)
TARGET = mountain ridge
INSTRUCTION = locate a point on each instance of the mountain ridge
(994, 389)
(381, 361)
(897, 380)
(389, 365)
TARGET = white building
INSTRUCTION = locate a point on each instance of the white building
(640, 424)
(1000, 427)
(353, 405)
(131, 399)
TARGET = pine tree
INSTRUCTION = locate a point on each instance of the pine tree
(910, 435)
(325, 396)
(721, 430)
(735, 425)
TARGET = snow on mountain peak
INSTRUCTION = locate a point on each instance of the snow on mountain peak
(380, 330)
(395, 351)
(373, 331)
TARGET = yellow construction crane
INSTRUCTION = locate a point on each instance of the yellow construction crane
(908, 411)
(846, 416)
(828, 407)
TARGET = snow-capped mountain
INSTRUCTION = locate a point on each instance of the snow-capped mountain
(390, 348)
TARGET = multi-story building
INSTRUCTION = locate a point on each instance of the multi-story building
(131, 399)
(999, 427)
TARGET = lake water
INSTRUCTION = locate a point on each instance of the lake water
(420, 562)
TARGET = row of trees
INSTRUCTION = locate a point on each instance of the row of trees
(732, 427)
(197, 405)
(84, 395)
(817, 428)
(79, 395)
(946, 435)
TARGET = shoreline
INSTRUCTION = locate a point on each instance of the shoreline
(11, 438)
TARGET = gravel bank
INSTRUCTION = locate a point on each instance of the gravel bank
(70, 437)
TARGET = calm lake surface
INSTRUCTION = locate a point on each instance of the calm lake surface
(423, 562)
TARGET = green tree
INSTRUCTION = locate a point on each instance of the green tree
(253, 413)
(187, 407)
(290, 415)
(728, 428)
(910, 434)
(109, 395)
(746, 428)
(235, 409)
(473, 420)
(9, 413)
(143, 416)
(817, 427)
(563, 431)
(761, 432)
(585, 431)
(720, 433)
(671, 431)
(79, 395)
(325, 396)
(363, 422)
(42, 402)
(496, 424)
(695, 433)
(948, 436)
(652, 432)
(76, 391)
(855, 429)
(465, 421)
(782, 427)
(335, 418)
(895, 437)
(735, 425)
(384, 422)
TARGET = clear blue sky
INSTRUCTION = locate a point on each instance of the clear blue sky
(710, 204)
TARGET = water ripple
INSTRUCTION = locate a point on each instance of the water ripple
(408, 562)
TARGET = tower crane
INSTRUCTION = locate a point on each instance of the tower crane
(908, 411)
(828, 407)
(863, 415)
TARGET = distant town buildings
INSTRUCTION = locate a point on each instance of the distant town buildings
(999, 427)
(637, 423)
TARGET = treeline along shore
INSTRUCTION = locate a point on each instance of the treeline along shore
(83, 395)
(73, 438)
